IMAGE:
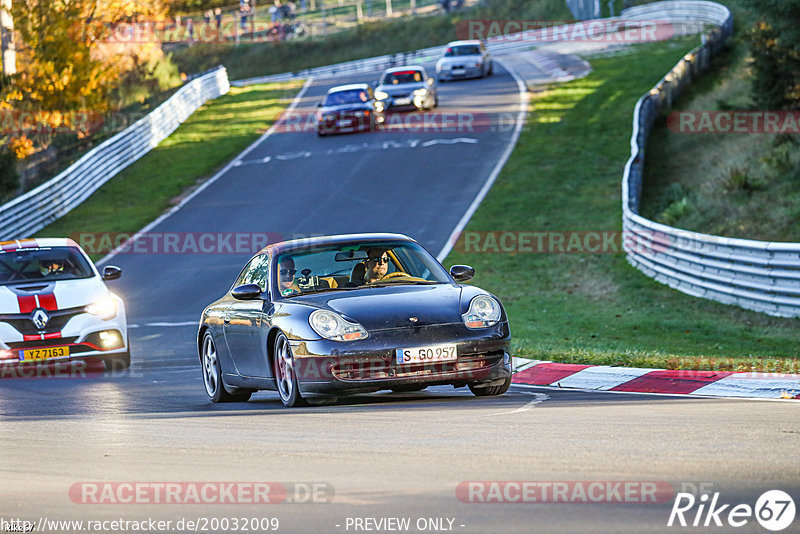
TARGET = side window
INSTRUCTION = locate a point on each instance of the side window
(256, 272)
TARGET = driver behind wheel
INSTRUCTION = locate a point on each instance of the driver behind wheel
(286, 272)
(377, 265)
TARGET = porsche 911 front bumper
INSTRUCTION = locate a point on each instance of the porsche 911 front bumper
(330, 367)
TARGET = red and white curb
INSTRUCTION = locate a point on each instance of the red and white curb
(662, 381)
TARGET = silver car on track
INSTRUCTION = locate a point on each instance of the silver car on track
(464, 59)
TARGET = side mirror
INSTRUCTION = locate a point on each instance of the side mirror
(246, 292)
(111, 272)
(430, 81)
(462, 273)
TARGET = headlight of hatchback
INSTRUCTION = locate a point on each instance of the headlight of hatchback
(484, 311)
(335, 327)
(381, 95)
(104, 307)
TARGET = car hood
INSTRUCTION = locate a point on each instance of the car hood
(388, 307)
(401, 88)
(59, 295)
(345, 107)
(458, 60)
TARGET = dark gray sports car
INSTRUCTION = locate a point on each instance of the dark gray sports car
(349, 314)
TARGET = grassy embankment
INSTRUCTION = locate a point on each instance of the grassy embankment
(736, 185)
(367, 40)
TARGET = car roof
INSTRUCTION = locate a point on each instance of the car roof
(406, 68)
(349, 87)
(44, 242)
(464, 42)
(296, 244)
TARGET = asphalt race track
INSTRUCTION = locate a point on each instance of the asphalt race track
(370, 460)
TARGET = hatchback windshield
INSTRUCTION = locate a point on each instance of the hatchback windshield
(340, 98)
(42, 265)
(405, 76)
(463, 50)
(353, 266)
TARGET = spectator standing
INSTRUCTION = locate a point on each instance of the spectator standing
(218, 17)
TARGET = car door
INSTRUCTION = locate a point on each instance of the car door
(244, 321)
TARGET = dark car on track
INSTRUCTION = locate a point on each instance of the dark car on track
(349, 108)
(351, 314)
(407, 88)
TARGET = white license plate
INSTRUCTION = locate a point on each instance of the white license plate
(458, 71)
(402, 101)
(438, 353)
(344, 122)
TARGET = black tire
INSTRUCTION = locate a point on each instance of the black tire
(212, 374)
(284, 370)
(490, 391)
(119, 362)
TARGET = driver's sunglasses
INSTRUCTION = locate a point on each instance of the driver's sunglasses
(287, 272)
(383, 259)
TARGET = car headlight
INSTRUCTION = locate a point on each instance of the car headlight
(421, 91)
(335, 327)
(381, 95)
(105, 307)
(484, 311)
(445, 66)
(328, 117)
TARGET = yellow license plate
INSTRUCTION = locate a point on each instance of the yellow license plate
(45, 353)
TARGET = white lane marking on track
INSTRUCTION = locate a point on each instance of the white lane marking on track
(449, 141)
(540, 398)
(523, 112)
(235, 162)
(352, 148)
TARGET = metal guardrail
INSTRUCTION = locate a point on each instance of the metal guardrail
(756, 275)
(29, 213)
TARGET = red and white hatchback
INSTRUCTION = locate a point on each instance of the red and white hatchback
(54, 305)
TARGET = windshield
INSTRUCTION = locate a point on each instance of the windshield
(463, 50)
(43, 265)
(405, 76)
(353, 266)
(355, 96)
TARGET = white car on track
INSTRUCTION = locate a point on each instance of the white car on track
(55, 306)
(464, 59)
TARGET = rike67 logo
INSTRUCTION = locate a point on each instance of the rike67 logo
(774, 510)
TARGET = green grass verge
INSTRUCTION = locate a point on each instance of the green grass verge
(210, 138)
(564, 176)
(736, 185)
(367, 40)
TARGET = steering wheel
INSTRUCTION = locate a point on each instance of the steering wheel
(394, 275)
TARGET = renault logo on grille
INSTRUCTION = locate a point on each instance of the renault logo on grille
(40, 318)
